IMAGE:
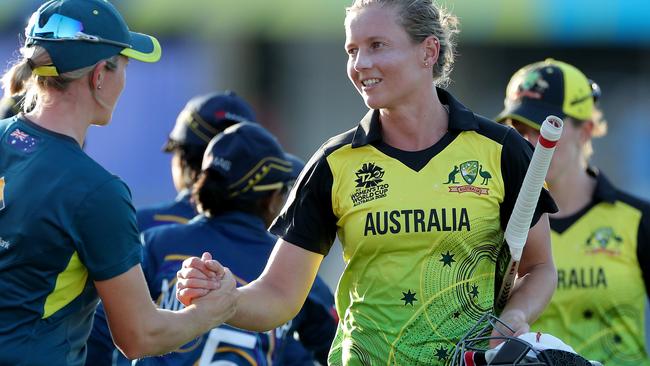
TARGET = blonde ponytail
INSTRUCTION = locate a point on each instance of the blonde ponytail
(19, 79)
(15, 80)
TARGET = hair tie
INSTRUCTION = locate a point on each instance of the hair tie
(31, 64)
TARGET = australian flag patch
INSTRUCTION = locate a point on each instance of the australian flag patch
(22, 141)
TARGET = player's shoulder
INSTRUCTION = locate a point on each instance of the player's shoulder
(6, 126)
(94, 177)
(65, 153)
(161, 208)
(179, 210)
(169, 231)
(166, 238)
(318, 160)
(461, 118)
(607, 192)
(495, 131)
(5, 123)
(632, 200)
(336, 142)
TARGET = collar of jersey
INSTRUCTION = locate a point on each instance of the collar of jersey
(604, 191)
(27, 122)
(460, 119)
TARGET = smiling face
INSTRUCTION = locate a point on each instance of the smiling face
(384, 64)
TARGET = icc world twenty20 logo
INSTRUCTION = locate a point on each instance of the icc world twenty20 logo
(370, 184)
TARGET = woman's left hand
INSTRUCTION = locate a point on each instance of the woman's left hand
(197, 277)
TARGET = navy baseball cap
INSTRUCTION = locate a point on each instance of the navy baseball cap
(205, 116)
(546, 88)
(251, 161)
(80, 33)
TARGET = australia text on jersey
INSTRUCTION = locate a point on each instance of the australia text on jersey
(416, 220)
(602, 241)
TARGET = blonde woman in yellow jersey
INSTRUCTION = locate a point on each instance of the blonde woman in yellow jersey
(600, 235)
(418, 193)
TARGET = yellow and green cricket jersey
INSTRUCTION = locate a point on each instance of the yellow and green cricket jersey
(602, 258)
(421, 232)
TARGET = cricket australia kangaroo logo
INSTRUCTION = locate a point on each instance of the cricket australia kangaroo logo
(604, 240)
(470, 171)
(370, 184)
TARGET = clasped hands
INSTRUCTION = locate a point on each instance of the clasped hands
(208, 285)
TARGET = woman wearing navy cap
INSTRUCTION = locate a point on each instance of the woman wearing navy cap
(67, 226)
(242, 186)
(203, 117)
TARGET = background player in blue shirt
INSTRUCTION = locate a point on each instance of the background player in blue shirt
(203, 117)
(242, 187)
(67, 226)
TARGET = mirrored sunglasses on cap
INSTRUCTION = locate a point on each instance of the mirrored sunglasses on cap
(62, 28)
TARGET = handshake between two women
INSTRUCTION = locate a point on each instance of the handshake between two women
(204, 282)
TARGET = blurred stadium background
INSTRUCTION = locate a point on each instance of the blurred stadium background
(287, 58)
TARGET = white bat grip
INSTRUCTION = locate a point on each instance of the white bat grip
(522, 214)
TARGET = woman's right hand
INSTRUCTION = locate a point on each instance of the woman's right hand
(221, 304)
(197, 277)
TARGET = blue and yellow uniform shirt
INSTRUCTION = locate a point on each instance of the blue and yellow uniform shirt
(101, 350)
(64, 223)
(421, 233)
(241, 242)
(179, 211)
(602, 255)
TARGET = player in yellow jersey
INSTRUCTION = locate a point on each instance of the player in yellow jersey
(419, 194)
(600, 236)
